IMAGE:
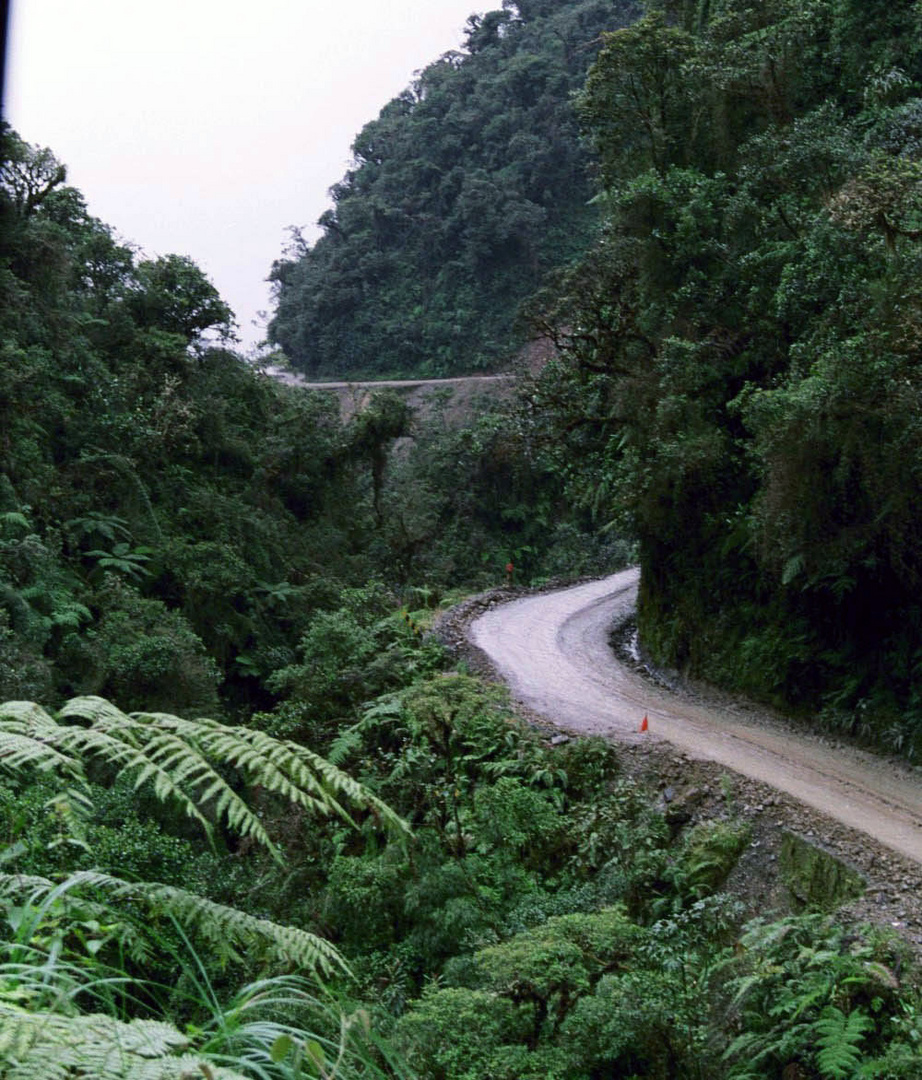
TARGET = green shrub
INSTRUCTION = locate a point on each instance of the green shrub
(142, 655)
(454, 1034)
(806, 991)
(707, 856)
(363, 901)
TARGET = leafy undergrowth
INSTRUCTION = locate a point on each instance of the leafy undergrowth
(542, 918)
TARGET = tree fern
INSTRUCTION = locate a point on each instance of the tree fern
(19, 750)
(179, 760)
(270, 1029)
(39, 911)
(386, 710)
(838, 1038)
(56, 1047)
(796, 999)
(248, 1037)
(283, 767)
(43, 973)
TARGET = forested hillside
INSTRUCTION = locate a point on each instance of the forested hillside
(256, 821)
(464, 192)
(735, 383)
(182, 537)
(171, 520)
(739, 349)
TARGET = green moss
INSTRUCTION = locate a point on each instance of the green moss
(817, 880)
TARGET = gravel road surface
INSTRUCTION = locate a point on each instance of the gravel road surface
(553, 652)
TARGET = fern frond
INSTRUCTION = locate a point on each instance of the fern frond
(27, 713)
(180, 759)
(811, 997)
(174, 766)
(344, 744)
(762, 937)
(743, 987)
(13, 884)
(224, 928)
(52, 1046)
(819, 958)
(15, 519)
(285, 768)
(741, 1045)
(115, 749)
(19, 750)
(96, 710)
(29, 737)
(73, 809)
(839, 1036)
(72, 615)
(189, 767)
(880, 973)
(758, 1047)
(42, 898)
(222, 925)
(342, 783)
(384, 710)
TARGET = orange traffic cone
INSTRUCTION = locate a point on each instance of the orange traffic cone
(644, 723)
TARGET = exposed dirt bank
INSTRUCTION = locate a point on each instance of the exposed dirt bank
(708, 754)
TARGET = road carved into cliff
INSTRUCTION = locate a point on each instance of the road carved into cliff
(553, 652)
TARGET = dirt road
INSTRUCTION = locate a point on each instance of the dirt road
(553, 652)
(294, 378)
(424, 396)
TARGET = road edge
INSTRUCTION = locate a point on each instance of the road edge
(685, 785)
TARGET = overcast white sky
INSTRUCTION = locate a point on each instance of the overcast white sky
(206, 127)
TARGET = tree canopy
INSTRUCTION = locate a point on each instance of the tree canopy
(739, 349)
(464, 191)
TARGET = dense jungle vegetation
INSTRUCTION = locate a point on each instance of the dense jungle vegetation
(464, 192)
(735, 383)
(361, 864)
(739, 350)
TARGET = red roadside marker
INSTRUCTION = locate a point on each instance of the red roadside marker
(644, 723)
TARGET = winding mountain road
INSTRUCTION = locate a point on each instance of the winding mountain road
(553, 652)
(422, 395)
(294, 378)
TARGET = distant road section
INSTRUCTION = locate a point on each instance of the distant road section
(292, 378)
(467, 392)
(553, 652)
